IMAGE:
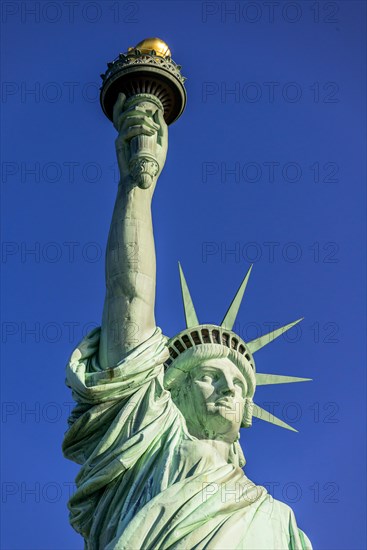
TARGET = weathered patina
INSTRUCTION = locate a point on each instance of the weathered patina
(157, 423)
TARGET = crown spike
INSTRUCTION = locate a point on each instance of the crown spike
(265, 339)
(190, 313)
(232, 311)
(266, 379)
(268, 417)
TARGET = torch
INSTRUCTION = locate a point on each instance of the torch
(146, 74)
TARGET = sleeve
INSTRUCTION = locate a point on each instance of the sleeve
(121, 414)
(112, 396)
(298, 539)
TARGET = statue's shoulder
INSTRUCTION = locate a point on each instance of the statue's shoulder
(282, 516)
(278, 510)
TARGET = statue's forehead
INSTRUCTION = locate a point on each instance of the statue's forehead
(221, 364)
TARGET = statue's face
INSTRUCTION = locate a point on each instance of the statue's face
(217, 396)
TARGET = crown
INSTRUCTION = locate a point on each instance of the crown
(145, 69)
(198, 336)
(207, 334)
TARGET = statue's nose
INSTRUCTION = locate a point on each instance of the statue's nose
(228, 389)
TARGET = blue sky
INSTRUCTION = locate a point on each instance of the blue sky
(265, 166)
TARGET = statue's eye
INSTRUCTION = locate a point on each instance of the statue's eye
(206, 378)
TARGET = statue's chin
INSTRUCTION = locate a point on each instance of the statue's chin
(229, 414)
(218, 425)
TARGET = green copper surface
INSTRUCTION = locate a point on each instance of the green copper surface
(265, 339)
(266, 379)
(231, 314)
(156, 427)
(268, 417)
(190, 313)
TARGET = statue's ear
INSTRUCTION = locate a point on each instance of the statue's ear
(181, 387)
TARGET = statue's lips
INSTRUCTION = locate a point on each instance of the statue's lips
(225, 402)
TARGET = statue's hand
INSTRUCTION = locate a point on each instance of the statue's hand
(142, 142)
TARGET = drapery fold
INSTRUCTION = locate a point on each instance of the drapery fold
(144, 481)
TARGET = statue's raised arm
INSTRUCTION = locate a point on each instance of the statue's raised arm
(141, 147)
(156, 427)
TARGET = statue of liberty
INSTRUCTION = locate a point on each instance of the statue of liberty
(157, 421)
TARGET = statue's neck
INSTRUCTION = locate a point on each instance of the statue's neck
(221, 447)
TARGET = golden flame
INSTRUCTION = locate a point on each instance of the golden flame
(156, 44)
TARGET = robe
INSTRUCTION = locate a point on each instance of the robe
(145, 482)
